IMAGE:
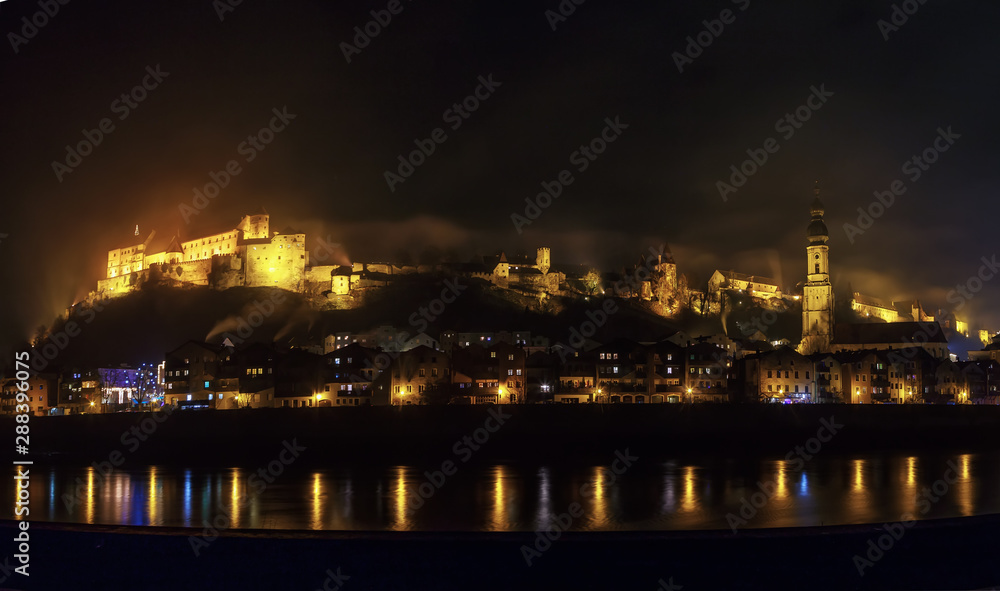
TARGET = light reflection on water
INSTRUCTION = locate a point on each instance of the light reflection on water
(505, 497)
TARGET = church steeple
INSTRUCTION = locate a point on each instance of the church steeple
(817, 296)
(817, 232)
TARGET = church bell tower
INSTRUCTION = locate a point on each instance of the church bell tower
(817, 295)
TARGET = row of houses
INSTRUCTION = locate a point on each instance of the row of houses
(872, 363)
(76, 390)
(898, 362)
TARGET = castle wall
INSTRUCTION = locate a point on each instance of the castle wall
(114, 286)
(341, 284)
(280, 263)
(189, 272)
(866, 310)
(320, 274)
(227, 272)
(254, 227)
(122, 261)
(379, 268)
(154, 259)
(209, 246)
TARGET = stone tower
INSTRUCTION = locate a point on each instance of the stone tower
(817, 295)
(542, 260)
(255, 226)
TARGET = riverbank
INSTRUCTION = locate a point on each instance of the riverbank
(508, 433)
(936, 554)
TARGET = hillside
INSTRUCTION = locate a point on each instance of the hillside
(142, 326)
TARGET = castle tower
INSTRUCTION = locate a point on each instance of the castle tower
(817, 295)
(174, 253)
(255, 226)
(542, 260)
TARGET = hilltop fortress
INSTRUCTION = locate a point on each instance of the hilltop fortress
(248, 255)
(251, 255)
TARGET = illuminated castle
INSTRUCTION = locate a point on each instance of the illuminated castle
(248, 255)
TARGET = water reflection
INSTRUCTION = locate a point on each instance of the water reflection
(669, 502)
(90, 495)
(500, 512)
(689, 501)
(963, 488)
(187, 498)
(908, 490)
(544, 514)
(318, 496)
(234, 499)
(52, 495)
(401, 519)
(654, 496)
(153, 509)
(859, 476)
(781, 488)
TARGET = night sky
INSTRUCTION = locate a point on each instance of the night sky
(325, 172)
